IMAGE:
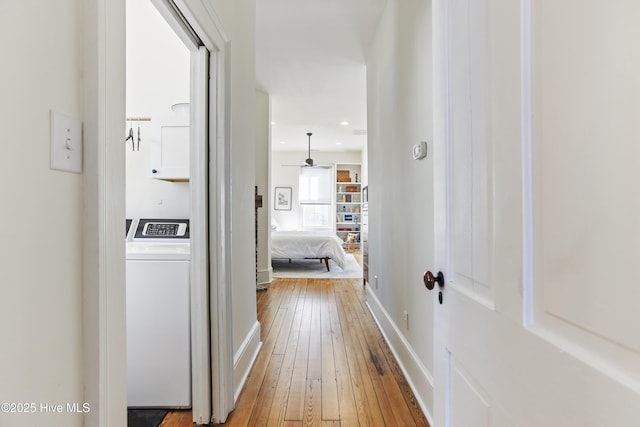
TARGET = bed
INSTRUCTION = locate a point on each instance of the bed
(308, 245)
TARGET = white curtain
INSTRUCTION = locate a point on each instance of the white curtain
(315, 185)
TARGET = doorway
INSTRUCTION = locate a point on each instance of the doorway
(182, 174)
(158, 213)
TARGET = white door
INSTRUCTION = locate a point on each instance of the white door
(537, 145)
(212, 361)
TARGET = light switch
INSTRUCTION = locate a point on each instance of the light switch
(66, 143)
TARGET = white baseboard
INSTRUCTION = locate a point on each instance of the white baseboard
(265, 276)
(418, 377)
(244, 359)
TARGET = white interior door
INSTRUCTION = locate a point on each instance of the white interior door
(537, 208)
(197, 25)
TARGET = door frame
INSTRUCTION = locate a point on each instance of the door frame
(104, 279)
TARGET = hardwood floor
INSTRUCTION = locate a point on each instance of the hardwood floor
(323, 362)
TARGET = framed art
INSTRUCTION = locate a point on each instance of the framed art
(282, 199)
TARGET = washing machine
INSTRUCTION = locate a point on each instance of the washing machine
(158, 314)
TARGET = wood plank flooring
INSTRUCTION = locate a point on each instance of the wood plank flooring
(323, 363)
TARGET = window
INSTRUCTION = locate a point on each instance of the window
(315, 216)
(315, 185)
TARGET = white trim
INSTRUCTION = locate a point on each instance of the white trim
(265, 276)
(526, 61)
(204, 21)
(416, 374)
(448, 390)
(167, 9)
(103, 299)
(447, 174)
(200, 332)
(220, 217)
(244, 359)
(442, 200)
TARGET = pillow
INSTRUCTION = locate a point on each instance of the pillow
(274, 225)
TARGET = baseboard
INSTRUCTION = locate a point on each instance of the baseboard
(265, 276)
(244, 359)
(418, 377)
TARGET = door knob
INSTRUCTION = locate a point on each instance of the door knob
(430, 280)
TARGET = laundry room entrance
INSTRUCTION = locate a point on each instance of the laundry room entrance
(175, 186)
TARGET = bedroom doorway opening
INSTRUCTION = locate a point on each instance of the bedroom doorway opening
(326, 199)
(311, 83)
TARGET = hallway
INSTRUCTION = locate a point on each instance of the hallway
(323, 362)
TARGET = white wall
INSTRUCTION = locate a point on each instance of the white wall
(365, 165)
(287, 176)
(157, 77)
(41, 267)
(401, 189)
(238, 19)
(263, 178)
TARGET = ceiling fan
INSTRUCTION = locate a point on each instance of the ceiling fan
(308, 162)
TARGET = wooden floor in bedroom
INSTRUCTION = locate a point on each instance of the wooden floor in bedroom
(323, 362)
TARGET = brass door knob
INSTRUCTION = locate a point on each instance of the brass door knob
(430, 280)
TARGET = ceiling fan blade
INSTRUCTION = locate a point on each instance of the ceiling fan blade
(304, 165)
(319, 165)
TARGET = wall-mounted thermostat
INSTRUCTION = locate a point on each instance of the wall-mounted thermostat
(420, 150)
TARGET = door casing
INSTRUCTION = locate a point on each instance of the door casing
(104, 302)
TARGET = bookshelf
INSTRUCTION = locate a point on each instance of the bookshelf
(348, 200)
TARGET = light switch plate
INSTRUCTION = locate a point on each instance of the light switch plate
(66, 143)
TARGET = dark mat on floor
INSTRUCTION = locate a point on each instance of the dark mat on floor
(145, 417)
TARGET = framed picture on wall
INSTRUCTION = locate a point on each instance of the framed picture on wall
(282, 199)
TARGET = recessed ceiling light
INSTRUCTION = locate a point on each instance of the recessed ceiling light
(344, 123)
(283, 142)
(273, 123)
(338, 143)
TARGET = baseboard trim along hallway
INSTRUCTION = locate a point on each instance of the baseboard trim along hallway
(244, 359)
(418, 377)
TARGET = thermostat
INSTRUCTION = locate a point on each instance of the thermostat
(420, 150)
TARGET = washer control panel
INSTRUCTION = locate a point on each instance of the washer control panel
(162, 229)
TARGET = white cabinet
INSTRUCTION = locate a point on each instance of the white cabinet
(170, 153)
(348, 200)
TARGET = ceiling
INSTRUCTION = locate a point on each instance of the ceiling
(311, 60)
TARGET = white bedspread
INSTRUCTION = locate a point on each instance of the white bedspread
(307, 244)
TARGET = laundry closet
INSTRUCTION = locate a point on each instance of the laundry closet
(156, 141)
